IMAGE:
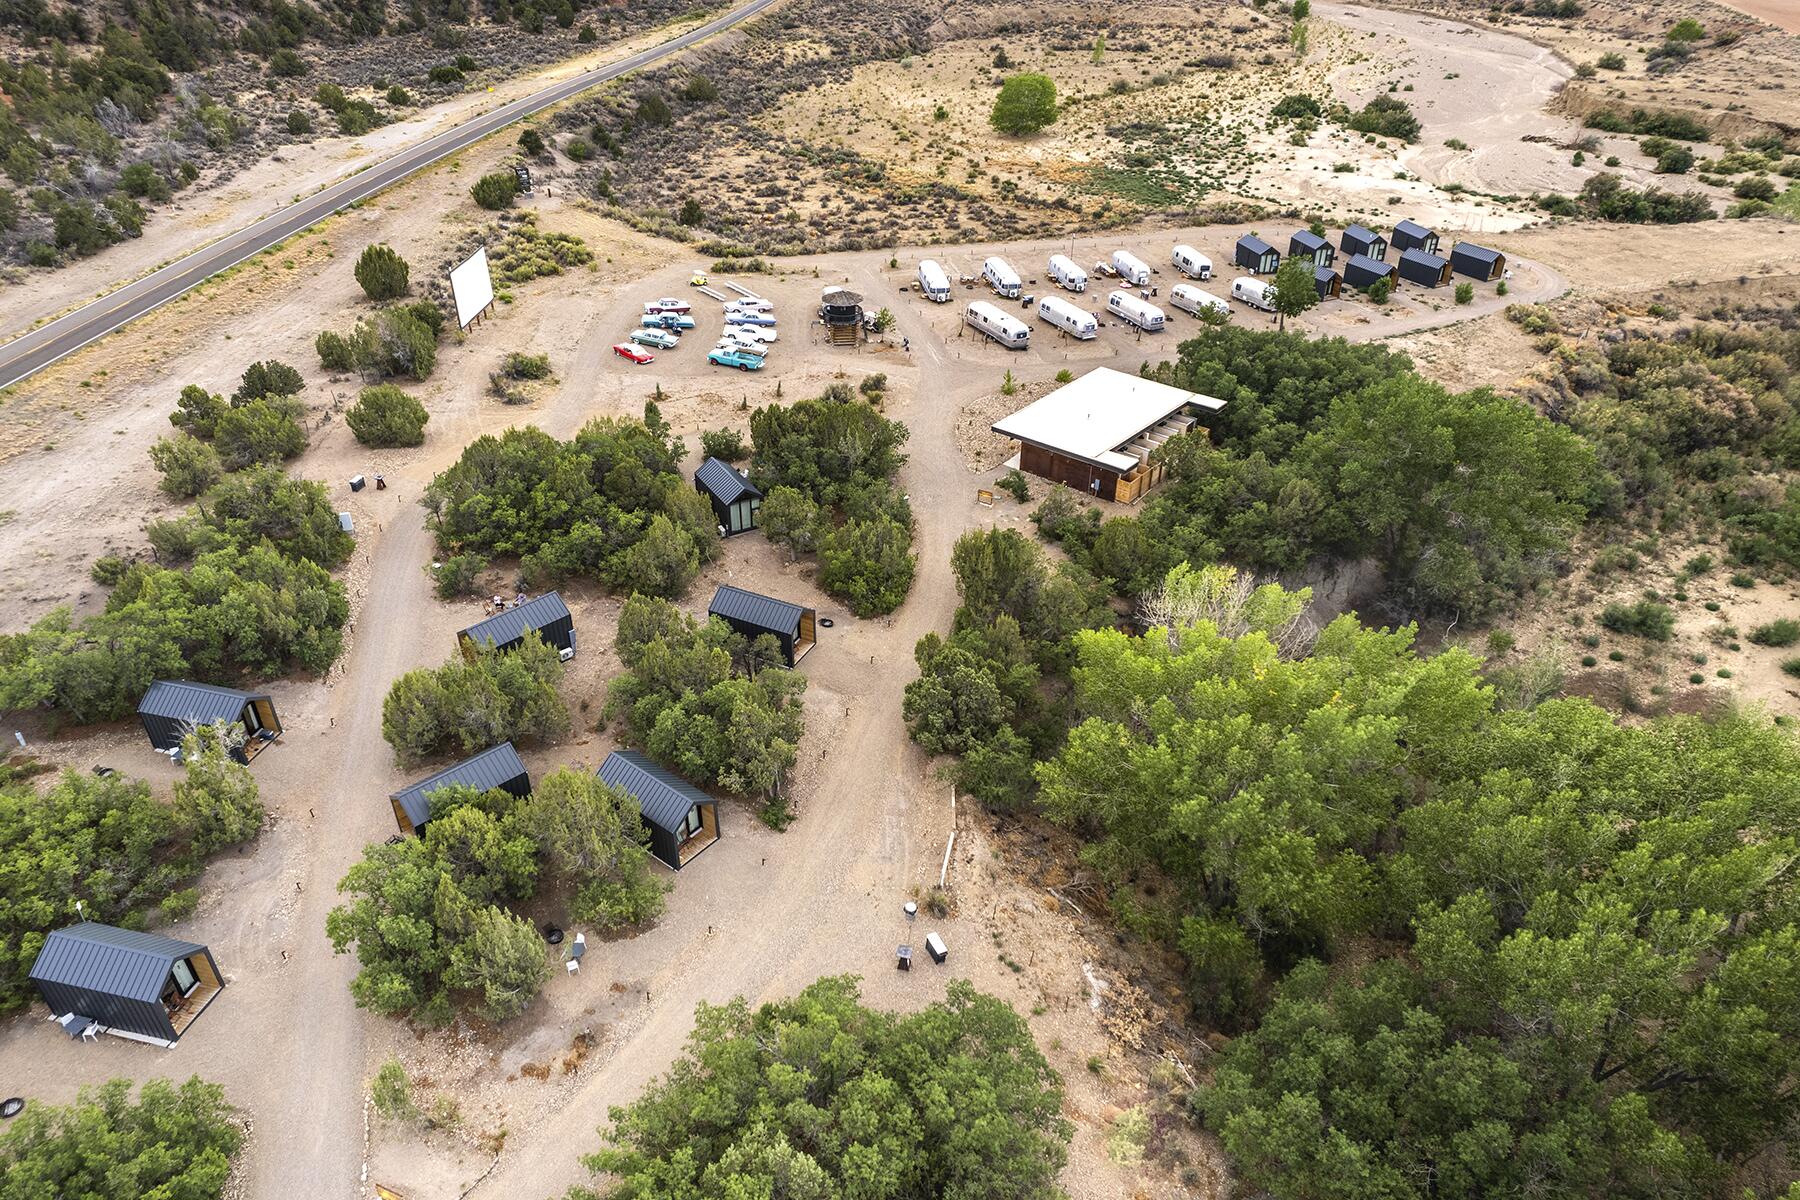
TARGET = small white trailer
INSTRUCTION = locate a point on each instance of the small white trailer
(934, 282)
(1254, 292)
(1004, 328)
(1131, 268)
(1077, 322)
(1190, 299)
(1191, 262)
(1068, 273)
(1001, 277)
(1134, 311)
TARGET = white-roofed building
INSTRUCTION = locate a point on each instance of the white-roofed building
(1097, 433)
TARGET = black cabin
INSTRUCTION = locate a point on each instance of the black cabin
(1256, 256)
(796, 628)
(1477, 262)
(1362, 271)
(1410, 235)
(496, 767)
(506, 630)
(1427, 270)
(1359, 239)
(735, 502)
(682, 819)
(171, 710)
(141, 986)
(1327, 282)
(1307, 244)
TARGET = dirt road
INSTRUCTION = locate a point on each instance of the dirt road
(1481, 87)
(1783, 14)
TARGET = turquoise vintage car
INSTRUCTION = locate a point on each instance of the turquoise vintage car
(662, 339)
(735, 358)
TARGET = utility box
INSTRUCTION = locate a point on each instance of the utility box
(934, 946)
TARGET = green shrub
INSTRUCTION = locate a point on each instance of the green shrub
(298, 122)
(518, 365)
(469, 704)
(399, 97)
(383, 274)
(188, 465)
(1465, 292)
(496, 190)
(1386, 116)
(457, 575)
(1782, 632)
(385, 416)
(727, 444)
(532, 142)
(1645, 618)
(1015, 483)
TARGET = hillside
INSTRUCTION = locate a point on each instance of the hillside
(108, 110)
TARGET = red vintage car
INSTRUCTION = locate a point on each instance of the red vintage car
(634, 353)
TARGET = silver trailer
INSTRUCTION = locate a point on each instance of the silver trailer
(1004, 328)
(1077, 322)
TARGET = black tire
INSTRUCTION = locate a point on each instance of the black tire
(11, 1107)
(743, 366)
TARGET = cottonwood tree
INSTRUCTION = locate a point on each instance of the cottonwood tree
(1295, 289)
(172, 1140)
(952, 1100)
(1026, 104)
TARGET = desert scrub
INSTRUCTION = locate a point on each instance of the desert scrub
(1784, 632)
(1645, 619)
(518, 365)
(526, 252)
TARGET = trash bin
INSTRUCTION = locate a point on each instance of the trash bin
(903, 958)
(356, 483)
(934, 946)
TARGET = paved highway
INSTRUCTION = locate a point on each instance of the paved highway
(32, 352)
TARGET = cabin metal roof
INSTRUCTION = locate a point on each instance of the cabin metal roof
(196, 703)
(1362, 264)
(1424, 258)
(662, 796)
(1412, 229)
(109, 960)
(512, 624)
(1255, 244)
(722, 481)
(1362, 233)
(1479, 253)
(1309, 239)
(490, 769)
(764, 612)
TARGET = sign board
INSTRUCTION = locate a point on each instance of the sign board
(523, 174)
(473, 287)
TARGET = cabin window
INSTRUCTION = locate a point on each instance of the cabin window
(185, 979)
(691, 826)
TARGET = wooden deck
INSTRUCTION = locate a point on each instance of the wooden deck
(192, 1007)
